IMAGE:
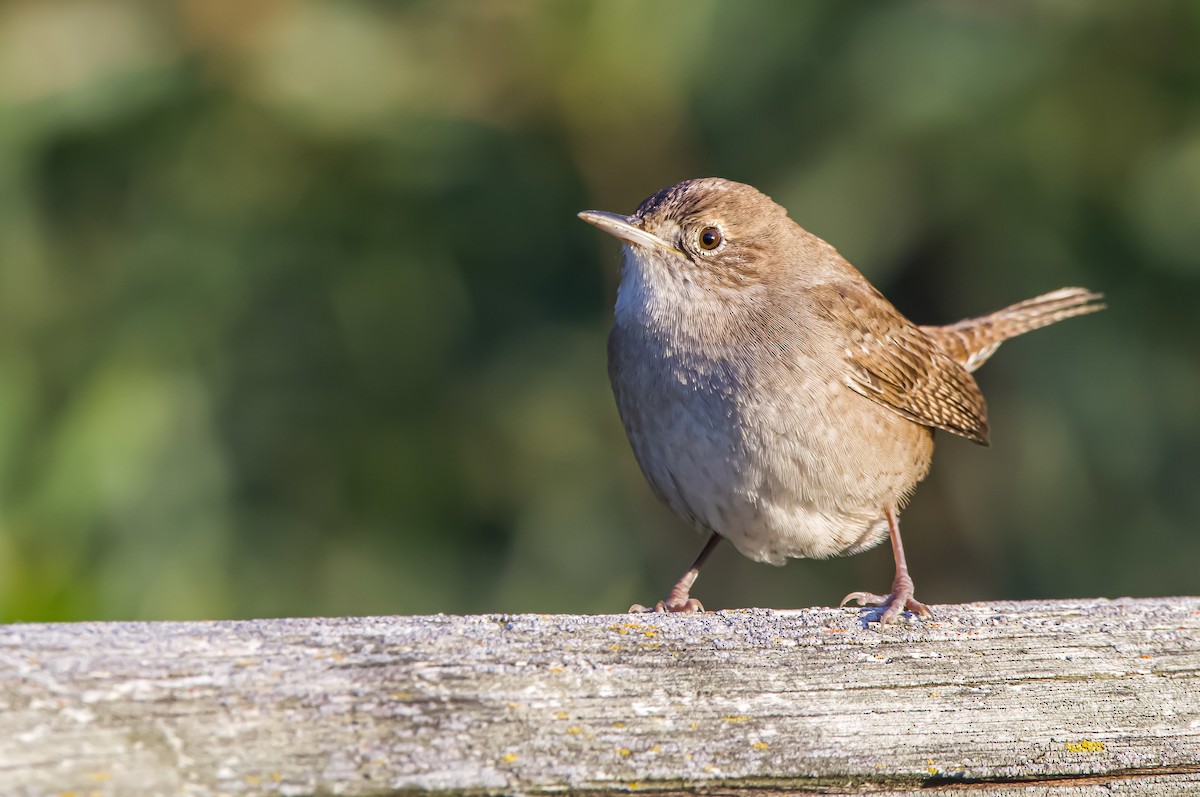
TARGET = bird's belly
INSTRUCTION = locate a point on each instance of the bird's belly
(777, 478)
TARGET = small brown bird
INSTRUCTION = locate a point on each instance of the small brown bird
(772, 396)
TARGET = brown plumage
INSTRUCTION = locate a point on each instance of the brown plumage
(896, 363)
(771, 395)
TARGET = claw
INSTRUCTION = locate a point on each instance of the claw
(662, 607)
(893, 605)
(865, 599)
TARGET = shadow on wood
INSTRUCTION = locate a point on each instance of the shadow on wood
(998, 698)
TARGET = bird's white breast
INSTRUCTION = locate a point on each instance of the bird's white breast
(741, 439)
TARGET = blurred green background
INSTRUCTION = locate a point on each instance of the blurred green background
(296, 317)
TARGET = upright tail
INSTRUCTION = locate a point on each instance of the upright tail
(972, 341)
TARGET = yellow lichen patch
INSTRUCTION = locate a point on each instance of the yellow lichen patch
(935, 694)
(618, 725)
(931, 770)
(650, 633)
(402, 695)
(276, 777)
(634, 785)
(252, 780)
(1084, 746)
(624, 751)
(655, 749)
(735, 719)
(561, 715)
(510, 757)
(574, 730)
(100, 776)
(614, 646)
(557, 668)
(760, 745)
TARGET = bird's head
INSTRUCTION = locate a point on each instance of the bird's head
(707, 234)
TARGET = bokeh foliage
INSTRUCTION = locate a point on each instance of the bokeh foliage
(296, 318)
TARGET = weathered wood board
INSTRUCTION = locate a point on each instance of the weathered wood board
(1064, 697)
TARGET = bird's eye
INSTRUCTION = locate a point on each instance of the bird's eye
(710, 238)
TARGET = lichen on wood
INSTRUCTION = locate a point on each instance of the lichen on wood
(1001, 697)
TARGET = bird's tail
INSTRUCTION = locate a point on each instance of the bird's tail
(972, 341)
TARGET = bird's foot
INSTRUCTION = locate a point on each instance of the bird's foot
(900, 600)
(679, 599)
(669, 606)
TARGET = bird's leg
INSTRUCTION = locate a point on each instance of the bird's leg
(901, 598)
(678, 599)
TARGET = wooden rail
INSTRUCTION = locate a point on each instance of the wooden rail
(1062, 697)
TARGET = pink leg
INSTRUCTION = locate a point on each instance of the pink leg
(901, 598)
(678, 599)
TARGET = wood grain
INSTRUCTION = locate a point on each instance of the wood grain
(1064, 697)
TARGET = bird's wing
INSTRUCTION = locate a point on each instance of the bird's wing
(891, 361)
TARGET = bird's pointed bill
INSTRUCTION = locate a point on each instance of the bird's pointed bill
(623, 227)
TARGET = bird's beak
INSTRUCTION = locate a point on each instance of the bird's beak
(624, 227)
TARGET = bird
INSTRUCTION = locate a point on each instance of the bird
(771, 395)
